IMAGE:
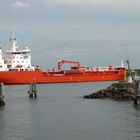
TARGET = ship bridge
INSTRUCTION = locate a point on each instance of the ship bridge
(16, 58)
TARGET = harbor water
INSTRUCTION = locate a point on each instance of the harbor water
(60, 113)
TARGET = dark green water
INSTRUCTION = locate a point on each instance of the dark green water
(59, 113)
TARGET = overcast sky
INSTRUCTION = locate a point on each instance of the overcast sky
(94, 32)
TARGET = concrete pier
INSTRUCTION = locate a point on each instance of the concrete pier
(32, 90)
(2, 97)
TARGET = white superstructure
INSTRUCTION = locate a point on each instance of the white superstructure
(3, 66)
(16, 59)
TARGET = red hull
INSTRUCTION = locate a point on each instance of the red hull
(38, 76)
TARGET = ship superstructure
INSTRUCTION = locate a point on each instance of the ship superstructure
(17, 59)
(3, 65)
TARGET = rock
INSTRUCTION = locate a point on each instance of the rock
(117, 91)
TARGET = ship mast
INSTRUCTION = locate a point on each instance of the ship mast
(0, 54)
(14, 42)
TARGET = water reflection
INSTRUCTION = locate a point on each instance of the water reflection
(137, 107)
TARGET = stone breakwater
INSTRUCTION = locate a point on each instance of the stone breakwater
(117, 91)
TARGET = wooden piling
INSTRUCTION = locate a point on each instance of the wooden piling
(2, 97)
(136, 97)
(32, 90)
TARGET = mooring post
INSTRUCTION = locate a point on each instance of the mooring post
(2, 97)
(137, 93)
(32, 90)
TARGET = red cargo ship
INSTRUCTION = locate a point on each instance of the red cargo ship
(16, 68)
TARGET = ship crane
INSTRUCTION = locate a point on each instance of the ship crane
(62, 62)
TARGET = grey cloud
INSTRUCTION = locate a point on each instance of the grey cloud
(20, 5)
